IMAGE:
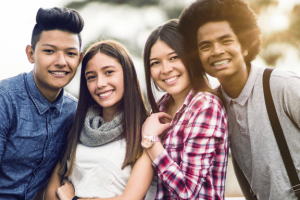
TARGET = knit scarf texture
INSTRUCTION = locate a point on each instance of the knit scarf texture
(96, 132)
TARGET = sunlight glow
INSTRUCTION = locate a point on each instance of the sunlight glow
(273, 20)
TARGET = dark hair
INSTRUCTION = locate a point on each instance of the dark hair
(237, 13)
(132, 105)
(169, 34)
(63, 19)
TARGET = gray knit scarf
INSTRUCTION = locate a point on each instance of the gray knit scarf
(96, 132)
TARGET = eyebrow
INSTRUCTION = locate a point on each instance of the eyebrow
(220, 38)
(102, 69)
(50, 45)
(167, 54)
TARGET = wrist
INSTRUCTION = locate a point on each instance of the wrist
(149, 140)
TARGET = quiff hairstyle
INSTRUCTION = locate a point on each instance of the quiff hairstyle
(237, 13)
(62, 19)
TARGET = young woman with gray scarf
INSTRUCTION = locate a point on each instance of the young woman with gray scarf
(103, 157)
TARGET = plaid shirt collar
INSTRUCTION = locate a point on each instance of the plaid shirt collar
(164, 101)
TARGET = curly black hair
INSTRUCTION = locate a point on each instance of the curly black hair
(237, 13)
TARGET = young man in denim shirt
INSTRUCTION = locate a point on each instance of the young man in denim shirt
(35, 111)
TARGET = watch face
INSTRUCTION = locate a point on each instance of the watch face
(146, 143)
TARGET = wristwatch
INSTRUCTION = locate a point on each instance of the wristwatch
(149, 140)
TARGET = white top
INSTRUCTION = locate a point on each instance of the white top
(97, 170)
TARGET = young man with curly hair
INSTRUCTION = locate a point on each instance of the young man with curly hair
(35, 111)
(223, 38)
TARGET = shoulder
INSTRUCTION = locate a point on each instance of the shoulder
(203, 100)
(70, 103)
(69, 98)
(12, 84)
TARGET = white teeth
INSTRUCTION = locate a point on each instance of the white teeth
(171, 79)
(105, 94)
(224, 62)
(59, 73)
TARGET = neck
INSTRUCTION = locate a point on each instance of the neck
(177, 101)
(233, 85)
(109, 114)
(50, 95)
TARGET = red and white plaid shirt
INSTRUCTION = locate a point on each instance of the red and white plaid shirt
(194, 162)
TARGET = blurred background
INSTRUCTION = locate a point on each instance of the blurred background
(131, 21)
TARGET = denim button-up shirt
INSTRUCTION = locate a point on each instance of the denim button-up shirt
(32, 135)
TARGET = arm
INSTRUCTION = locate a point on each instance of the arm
(203, 133)
(136, 188)
(53, 184)
(6, 119)
(40, 194)
(291, 94)
(242, 180)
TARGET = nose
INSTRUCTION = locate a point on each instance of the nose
(167, 67)
(218, 50)
(60, 60)
(101, 82)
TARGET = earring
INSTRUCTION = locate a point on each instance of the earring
(246, 52)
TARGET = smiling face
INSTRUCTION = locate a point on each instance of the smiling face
(104, 76)
(220, 52)
(56, 58)
(168, 71)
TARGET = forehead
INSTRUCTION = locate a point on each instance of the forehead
(59, 39)
(160, 48)
(214, 30)
(100, 61)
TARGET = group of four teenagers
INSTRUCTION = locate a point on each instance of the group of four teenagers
(110, 146)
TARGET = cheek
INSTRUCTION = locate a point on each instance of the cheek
(154, 73)
(90, 87)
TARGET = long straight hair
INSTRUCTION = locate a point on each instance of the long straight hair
(132, 105)
(169, 34)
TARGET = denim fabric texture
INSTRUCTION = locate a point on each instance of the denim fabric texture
(32, 135)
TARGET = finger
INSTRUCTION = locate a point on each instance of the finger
(163, 115)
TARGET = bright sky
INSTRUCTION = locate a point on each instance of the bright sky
(18, 18)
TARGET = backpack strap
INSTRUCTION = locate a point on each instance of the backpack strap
(280, 139)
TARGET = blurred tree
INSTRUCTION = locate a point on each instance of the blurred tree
(173, 8)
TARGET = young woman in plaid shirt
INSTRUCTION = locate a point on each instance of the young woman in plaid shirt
(186, 136)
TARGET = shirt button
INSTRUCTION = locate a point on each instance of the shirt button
(173, 145)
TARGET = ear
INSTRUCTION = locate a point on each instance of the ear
(80, 57)
(245, 52)
(30, 54)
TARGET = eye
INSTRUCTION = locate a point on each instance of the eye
(90, 78)
(71, 54)
(154, 63)
(227, 41)
(205, 47)
(108, 72)
(174, 57)
(48, 51)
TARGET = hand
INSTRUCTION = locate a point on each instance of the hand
(66, 191)
(156, 124)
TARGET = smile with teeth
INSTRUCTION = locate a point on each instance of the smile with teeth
(171, 79)
(105, 94)
(223, 62)
(59, 73)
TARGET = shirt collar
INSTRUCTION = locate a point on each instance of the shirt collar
(166, 98)
(245, 94)
(41, 103)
